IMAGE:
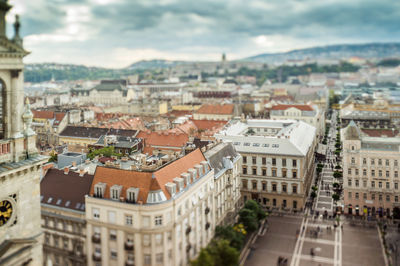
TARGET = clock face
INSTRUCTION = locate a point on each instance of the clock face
(6, 210)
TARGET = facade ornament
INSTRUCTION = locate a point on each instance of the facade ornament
(27, 117)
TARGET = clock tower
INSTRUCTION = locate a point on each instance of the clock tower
(20, 163)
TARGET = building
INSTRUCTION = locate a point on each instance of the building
(20, 163)
(121, 144)
(63, 216)
(277, 160)
(162, 216)
(163, 142)
(82, 137)
(48, 125)
(225, 161)
(370, 171)
(214, 112)
(312, 115)
(149, 106)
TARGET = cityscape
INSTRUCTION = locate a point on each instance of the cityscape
(200, 133)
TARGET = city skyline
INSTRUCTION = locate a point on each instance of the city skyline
(116, 33)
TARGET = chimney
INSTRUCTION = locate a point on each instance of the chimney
(81, 172)
(66, 170)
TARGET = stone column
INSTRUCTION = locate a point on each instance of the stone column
(17, 103)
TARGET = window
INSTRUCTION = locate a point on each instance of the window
(380, 173)
(365, 183)
(357, 183)
(284, 203)
(294, 204)
(379, 161)
(380, 184)
(264, 172)
(146, 240)
(244, 159)
(96, 213)
(244, 183)
(265, 201)
(373, 196)
(274, 172)
(274, 187)
(352, 148)
(353, 160)
(364, 161)
(158, 220)
(387, 173)
(294, 189)
(387, 197)
(254, 159)
(395, 163)
(284, 162)
(284, 188)
(357, 195)
(356, 171)
(349, 171)
(159, 258)
(387, 185)
(273, 161)
(349, 195)
(365, 196)
(99, 190)
(294, 163)
(115, 192)
(113, 235)
(380, 197)
(128, 219)
(396, 174)
(254, 184)
(254, 171)
(131, 194)
(387, 162)
(396, 185)
(244, 170)
(284, 173)
(372, 162)
(294, 174)
(264, 160)
(65, 242)
(264, 186)
(274, 202)
(396, 198)
(372, 172)
(364, 172)
(111, 217)
(159, 239)
(147, 259)
(372, 183)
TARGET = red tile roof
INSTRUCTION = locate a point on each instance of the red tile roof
(43, 114)
(381, 132)
(225, 109)
(301, 107)
(152, 139)
(208, 124)
(145, 181)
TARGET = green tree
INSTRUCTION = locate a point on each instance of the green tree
(335, 197)
(204, 259)
(106, 151)
(249, 219)
(228, 233)
(53, 156)
(255, 207)
(223, 254)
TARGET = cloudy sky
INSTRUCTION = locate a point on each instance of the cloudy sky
(115, 33)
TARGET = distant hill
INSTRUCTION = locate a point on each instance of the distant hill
(371, 50)
(155, 64)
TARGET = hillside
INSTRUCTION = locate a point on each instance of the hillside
(371, 50)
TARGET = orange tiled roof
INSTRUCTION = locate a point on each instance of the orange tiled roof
(145, 181)
(225, 109)
(43, 114)
(167, 139)
(380, 132)
(301, 107)
(208, 124)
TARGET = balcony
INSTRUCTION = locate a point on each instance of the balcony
(129, 246)
(97, 256)
(130, 262)
(96, 238)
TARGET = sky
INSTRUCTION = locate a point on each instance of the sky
(116, 33)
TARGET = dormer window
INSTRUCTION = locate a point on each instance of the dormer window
(99, 189)
(171, 187)
(179, 183)
(132, 194)
(115, 192)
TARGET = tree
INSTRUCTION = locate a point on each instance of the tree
(255, 207)
(337, 174)
(222, 253)
(53, 156)
(249, 219)
(204, 259)
(106, 151)
(313, 194)
(335, 197)
(234, 237)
